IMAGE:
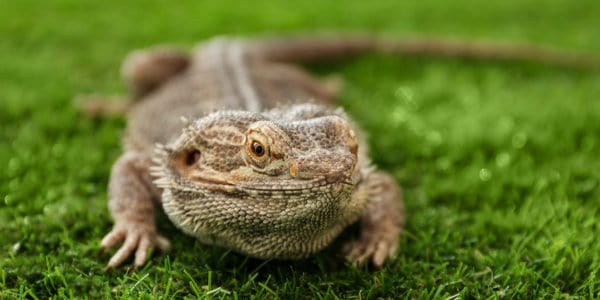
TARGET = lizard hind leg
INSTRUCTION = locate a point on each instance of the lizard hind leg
(95, 106)
(145, 70)
(382, 224)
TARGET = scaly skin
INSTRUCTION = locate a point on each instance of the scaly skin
(269, 174)
(267, 185)
(274, 171)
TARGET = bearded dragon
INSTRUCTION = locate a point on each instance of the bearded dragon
(263, 163)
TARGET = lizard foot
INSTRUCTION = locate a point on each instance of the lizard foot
(138, 237)
(381, 225)
(374, 245)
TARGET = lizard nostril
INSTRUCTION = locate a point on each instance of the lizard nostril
(294, 170)
(191, 157)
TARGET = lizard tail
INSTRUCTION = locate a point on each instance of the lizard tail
(314, 49)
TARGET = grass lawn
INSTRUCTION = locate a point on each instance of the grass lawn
(499, 161)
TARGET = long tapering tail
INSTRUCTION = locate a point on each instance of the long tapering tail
(327, 47)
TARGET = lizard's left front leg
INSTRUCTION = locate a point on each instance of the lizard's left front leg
(382, 224)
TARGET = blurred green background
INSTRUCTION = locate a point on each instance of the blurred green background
(499, 161)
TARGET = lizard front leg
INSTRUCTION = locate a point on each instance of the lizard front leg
(131, 203)
(382, 224)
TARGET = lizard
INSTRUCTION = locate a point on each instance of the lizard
(245, 150)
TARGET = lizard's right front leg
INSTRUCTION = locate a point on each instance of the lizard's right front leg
(131, 202)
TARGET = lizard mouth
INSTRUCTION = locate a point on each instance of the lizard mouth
(212, 180)
(199, 182)
(275, 185)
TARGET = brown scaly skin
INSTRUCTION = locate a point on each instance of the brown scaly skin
(267, 185)
(274, 171)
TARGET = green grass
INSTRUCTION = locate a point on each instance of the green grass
(499, 161)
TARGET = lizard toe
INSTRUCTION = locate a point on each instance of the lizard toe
(386, 248)
(374, 248)
(141, 254)
(381, 253)
(162, 243)
(358, 252)
(139, 239)
(114, 236)
(131, 242)
(149, 241)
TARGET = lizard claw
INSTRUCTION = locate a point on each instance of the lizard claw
(376, 247)
(138, 237)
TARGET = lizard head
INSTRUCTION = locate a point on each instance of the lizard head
(250, 181)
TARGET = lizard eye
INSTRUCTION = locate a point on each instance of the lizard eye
(258, 149)
(191, 157)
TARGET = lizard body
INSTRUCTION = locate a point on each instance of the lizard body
(274, 171)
